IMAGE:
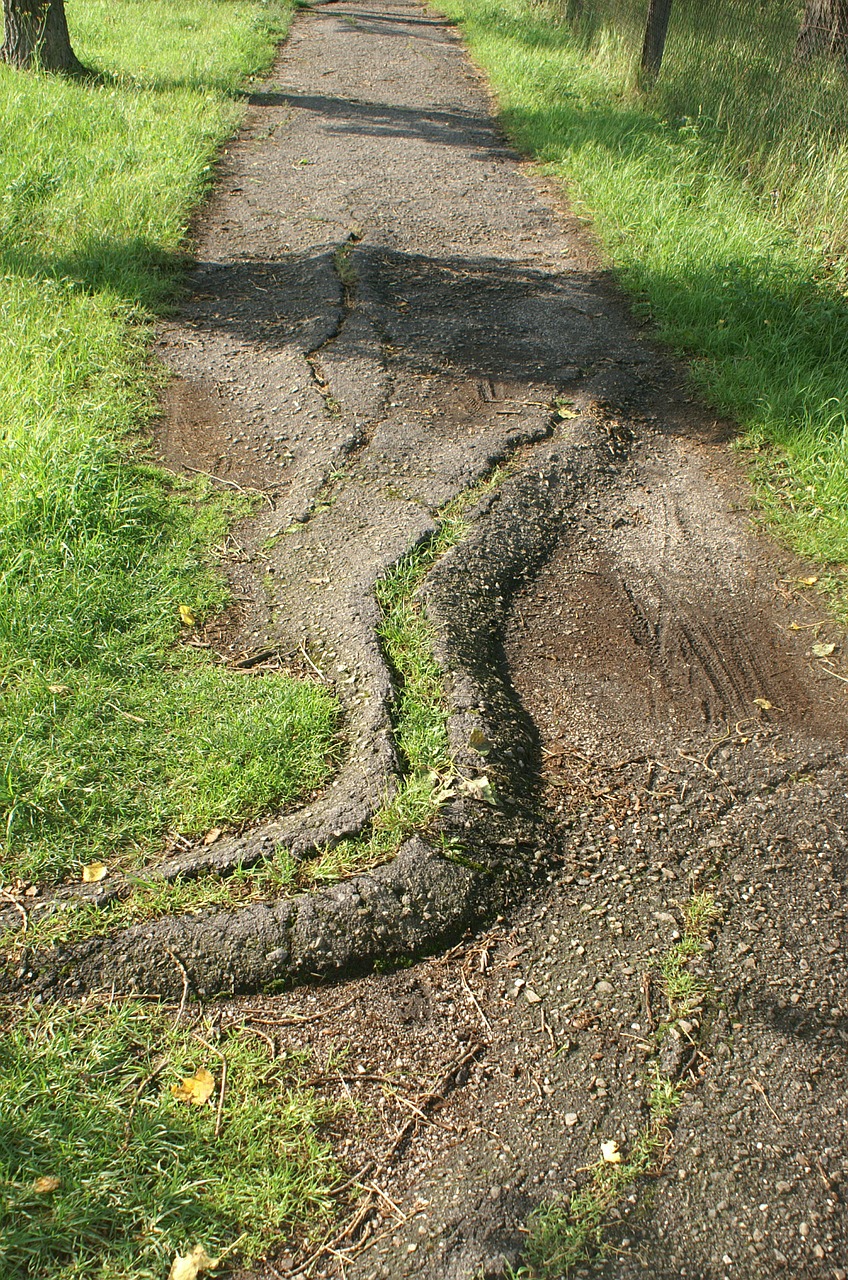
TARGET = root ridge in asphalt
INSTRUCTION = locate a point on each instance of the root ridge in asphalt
(650, 794)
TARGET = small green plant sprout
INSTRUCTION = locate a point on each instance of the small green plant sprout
(564, 1234)
(565, 408)
(344, 267)
(685, 991)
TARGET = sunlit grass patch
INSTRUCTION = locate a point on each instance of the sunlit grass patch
(421, 733)
(108, 762)
(104, 1174)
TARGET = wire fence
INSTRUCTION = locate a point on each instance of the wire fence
(771, 76)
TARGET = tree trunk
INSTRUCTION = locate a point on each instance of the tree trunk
(656, 29)
(36, 36)
(824, 30)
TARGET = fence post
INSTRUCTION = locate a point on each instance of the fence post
(656, 29)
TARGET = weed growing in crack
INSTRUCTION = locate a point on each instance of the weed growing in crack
(345, 269)
(684, 990)
(562, 1235)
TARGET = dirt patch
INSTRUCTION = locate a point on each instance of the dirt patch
(662, 613)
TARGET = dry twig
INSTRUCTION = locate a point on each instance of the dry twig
(295, 1019)
(755, 1084)
(319, 673)
(223, 1088)
(184, 973)
(368, 1206)
(8, 897)
(548, 1030)
(485, 1021)
(148, 1079)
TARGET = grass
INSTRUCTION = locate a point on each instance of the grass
(111, 733)
(564, 1234)
(134, 1173)
(684, 990)
(730, 275)
(421, 734)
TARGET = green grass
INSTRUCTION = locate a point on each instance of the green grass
(421, 733)
(730, 276)
(85, 1097)
(561, 1235)
(686, 991)
(111, 733)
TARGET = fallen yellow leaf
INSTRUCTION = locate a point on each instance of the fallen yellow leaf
(610, 1152)
(187, 617)
(93, 872)
(197, 1089)
(189, 1266)
(822, 650)
(212, 836)
(763, 703)
(809, 582)
(42, 1186)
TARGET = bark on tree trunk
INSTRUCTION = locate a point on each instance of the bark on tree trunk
(36, 36)
(824, 30)
(656, 29)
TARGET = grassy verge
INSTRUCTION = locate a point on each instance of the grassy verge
(106, 1174)
(110, 733)
(564, 1234)
(725, 275)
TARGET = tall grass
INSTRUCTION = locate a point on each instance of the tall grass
(705, 251)
(734, 72)
(110, 733)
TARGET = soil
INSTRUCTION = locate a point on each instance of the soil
(386, 303)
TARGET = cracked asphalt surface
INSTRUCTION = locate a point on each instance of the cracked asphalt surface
(386, 304)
